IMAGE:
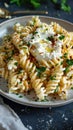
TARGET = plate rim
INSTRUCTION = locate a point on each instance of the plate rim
(32, 103)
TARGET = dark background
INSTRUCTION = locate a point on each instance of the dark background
(59, 118)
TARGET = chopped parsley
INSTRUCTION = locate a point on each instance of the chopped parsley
(20, 96)
(66, 70)
(56, 90)
(9, 58)
(53, 77)
(61, 63)
(65, 55)
(35, 32)
(61, 37)
(72, 87)
(50, 38)
(69, 62)
(16, 63)
(20, 71)
(32, 37)
(28, 43)
(40, 70)
(24, 47)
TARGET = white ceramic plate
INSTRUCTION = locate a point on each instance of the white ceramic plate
(6, 28)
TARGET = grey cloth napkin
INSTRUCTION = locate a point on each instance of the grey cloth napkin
(9, 119)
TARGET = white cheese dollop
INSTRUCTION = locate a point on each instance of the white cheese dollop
(43, 48)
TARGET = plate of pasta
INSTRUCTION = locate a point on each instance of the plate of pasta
(36, 61)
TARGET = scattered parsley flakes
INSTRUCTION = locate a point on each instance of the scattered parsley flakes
(16, 63)
(61, 37)
(65, 55)
(50, 38)
(28, 43)
(56, 90)
(40, 70)
(32, 37)
(72, 87)
(66, 70)
(61, 63)
(69, 62)
(20, 71)
(17, 93)
(35, 32)
(24, 47)
(53, 77)
(20, 96)
(10, 58)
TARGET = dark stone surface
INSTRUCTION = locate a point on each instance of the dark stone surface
(60, 118)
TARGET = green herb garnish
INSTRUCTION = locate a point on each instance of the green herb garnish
(50, 38)
(28, 43)
(61, 63)
(69, 62)
(16, 63)
(71, 87)
(12, 52)
(56, 90)
(53, 77)
(24, 47)
(40, 70)
(61, 37)
(20, 96)
(35, 32)
(66, 70)
(10, 58)
(65, 55)
(20, 71)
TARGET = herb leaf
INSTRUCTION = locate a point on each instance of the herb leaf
(36, 3)
(16, 63)
(53, 77)
(56, 90)
(69, 62)
(65, 55)
(72, 88)
(40, 70)
(65, 6)
(66, 70)
(61, 37)
(50, 38)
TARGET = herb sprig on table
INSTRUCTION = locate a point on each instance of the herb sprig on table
(62, 4)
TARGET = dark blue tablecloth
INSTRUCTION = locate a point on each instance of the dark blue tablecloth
(60, 118)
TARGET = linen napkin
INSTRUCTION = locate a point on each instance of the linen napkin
(9, 120)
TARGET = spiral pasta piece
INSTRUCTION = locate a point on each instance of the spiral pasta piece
(18, 82)
(54, 80)
(69, 75)
(29, 28)
(4, 72)
(30, 68)
(67, 38)
(16, 40)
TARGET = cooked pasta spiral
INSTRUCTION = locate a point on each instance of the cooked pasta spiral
(19, 44)
(54, 79)
(35, 80)
(18, 82)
